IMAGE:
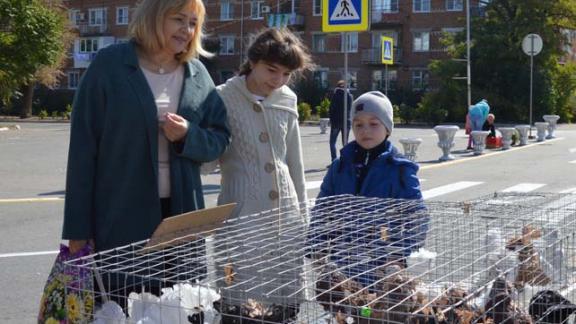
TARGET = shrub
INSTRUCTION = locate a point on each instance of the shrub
(406, 113)
(54, 114)
(67, 112)
(43, 114)
(304, 111)
(324, 108)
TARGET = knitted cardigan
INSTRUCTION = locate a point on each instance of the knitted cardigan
(262, 168)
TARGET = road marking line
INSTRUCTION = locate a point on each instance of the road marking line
(442, 190)
(524, 187)
(29, 200)
(11, 255)
(571, 190)
(487, 154)
(572, 150)
(572, 161)
(313, 185)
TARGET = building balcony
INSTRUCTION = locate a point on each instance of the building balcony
(381, 18)
(373, 56)
(82, 60)
(280, 20)
(92, 30)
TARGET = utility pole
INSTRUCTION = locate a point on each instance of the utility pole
(241, 33)
(468, 69)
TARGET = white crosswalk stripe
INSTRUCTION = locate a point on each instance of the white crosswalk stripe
(313, 185)
(442, 190)
(524, 187)
(571, 190)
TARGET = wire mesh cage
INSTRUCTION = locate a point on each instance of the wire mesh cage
(348, 259)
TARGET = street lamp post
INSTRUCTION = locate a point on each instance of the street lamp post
(468, 69)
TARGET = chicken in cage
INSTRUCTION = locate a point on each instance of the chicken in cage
(355, 260)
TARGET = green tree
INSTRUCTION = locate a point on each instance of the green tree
(33, 45)
(501, 70)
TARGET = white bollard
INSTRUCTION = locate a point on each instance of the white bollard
(506, 136)
(324, 125)
(541, 128)
(552, 122)
(446, 140)
(523, 133)
(479, 140)
(410, 147)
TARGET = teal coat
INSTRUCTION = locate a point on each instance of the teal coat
(112, 178)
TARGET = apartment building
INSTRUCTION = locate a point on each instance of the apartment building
(415, 25)
(97, 24)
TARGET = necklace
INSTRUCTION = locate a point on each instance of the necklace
(159, 68)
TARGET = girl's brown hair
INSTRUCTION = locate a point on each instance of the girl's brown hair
(277, 46)
(146, 28)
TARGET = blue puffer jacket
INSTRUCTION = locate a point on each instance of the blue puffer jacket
(361, 239)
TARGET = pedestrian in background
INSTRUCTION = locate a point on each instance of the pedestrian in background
(263, 168)
(337, 116)
(477, 115)
(145, 116)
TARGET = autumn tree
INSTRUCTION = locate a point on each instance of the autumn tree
(501, 70)
(34, 40)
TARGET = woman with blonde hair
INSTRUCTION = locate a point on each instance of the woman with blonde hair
(145, 116)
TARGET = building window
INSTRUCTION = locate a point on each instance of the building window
(256, 9)
(225, 75)
(321, 78)
(317, 7)
(419, 79)
(97, 17)
(227, 45)
(319, 43)
(226, 10)
(421, 41)
(122, 40)
(74, 17)
(352, 40)
(73, 79)
(421, 6)
(379, 79)
(454, 5)
(88, 45)
(121, 15)
(385, 6)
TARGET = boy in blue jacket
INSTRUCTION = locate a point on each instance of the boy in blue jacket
(370, 166)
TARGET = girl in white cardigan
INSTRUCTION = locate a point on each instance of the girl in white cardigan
(263, 168)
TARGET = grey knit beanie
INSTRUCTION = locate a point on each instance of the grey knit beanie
(377, 103)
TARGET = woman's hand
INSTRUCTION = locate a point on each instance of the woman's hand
(76, 245)
(175, 127)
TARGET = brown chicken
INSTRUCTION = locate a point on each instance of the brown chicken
(529, 270)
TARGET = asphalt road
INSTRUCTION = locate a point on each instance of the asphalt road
(32, 177)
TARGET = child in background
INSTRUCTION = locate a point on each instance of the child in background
(371, 166)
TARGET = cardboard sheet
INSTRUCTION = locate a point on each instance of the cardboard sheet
(181, 228)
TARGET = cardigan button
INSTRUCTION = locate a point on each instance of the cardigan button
(273, 195)
(257, 108)
(264, 137)
(269, 167)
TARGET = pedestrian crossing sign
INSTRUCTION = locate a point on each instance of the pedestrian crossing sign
(387, 50)
(344, 15)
